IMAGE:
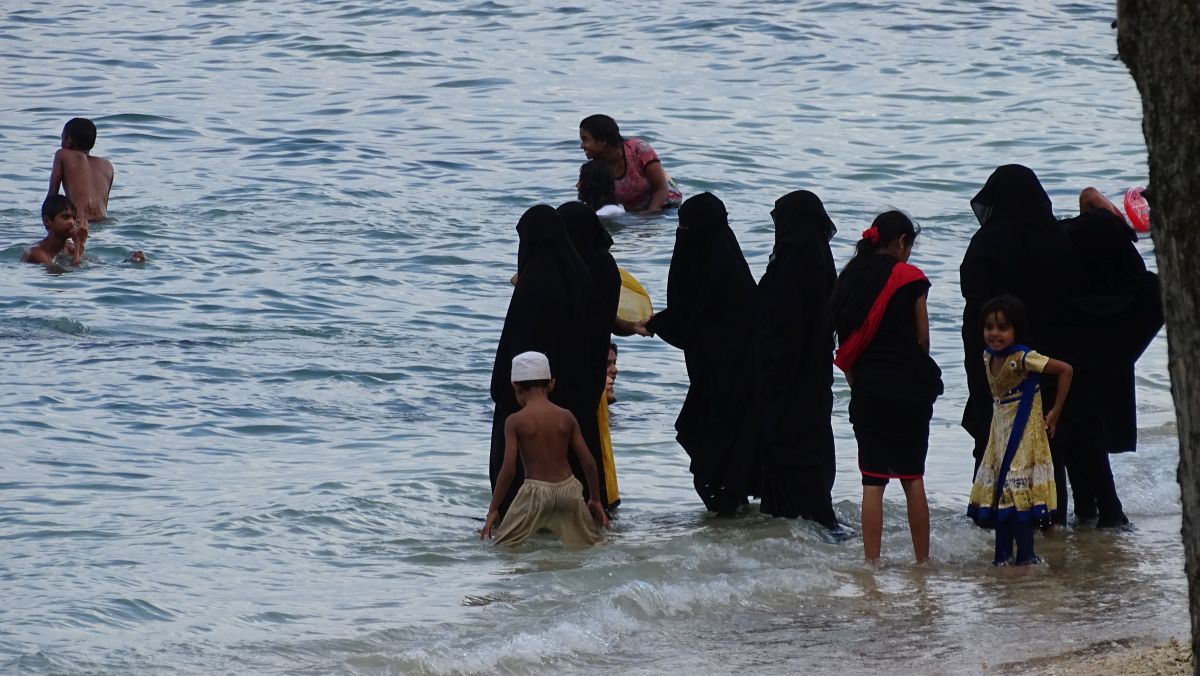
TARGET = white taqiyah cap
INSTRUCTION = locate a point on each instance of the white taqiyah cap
(530, 366)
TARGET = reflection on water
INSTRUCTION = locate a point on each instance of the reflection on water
(263, 450)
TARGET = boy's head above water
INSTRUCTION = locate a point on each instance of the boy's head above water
(55, 206)
(79, 134)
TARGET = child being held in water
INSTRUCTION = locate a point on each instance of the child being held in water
(597, 189)
(551, 496)
(1014, 489)
(62, 234)
(85, 179)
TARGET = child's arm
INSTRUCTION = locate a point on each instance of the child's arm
(1063, 371)
(589, 470)
(503, 478)
(56, 174)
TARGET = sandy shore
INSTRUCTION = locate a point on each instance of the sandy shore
(1127, 656)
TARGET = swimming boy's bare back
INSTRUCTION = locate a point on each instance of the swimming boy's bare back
(85, 179)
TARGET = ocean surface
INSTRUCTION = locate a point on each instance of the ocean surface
(264, 451)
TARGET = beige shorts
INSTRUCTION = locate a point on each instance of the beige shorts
(557, 507)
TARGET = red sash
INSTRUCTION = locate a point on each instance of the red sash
(853, 347)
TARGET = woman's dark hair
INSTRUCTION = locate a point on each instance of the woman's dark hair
(888, 227)
(1014, 312)
(596, 187)
(602, 128)
(612, 346)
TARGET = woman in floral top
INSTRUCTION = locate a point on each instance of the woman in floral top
(640, 180)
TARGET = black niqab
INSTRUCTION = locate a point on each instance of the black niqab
(592, 242)
(795, 290)
(713, 315)
(1119, 313)
(548, 313)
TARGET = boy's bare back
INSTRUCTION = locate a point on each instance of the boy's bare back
(86, 180)
(543, 434)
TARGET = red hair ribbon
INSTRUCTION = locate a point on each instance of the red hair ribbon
(871, 234)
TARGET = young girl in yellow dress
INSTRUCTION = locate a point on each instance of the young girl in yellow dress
(1014, 489)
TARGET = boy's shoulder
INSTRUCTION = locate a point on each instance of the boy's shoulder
(37, 253)
(546, 412)
(70, 155)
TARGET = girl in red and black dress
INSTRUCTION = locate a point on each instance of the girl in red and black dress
(878, 310)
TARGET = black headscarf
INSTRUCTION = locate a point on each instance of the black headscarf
(798, 358)
(1012, 193)
(548, 313)
(592, 242)
(713, 315)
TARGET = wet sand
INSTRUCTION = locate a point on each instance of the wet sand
(1127, 656)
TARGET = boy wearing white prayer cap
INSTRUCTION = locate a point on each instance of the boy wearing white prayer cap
(551, 497)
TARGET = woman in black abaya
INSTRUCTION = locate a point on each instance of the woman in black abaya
(549, 313)
(1120, 312)
(799, 465)
(713, 315)
(592, 242)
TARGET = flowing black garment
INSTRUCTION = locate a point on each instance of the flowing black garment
(799, 463)
(1020, 250)
(1120, 312)
(548, 313)
(713, 315)
(592, 242)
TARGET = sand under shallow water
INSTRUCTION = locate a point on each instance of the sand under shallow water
(1133, 656)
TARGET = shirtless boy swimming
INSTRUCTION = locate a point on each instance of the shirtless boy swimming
(85, 179)
(551, 496)
(62, 234)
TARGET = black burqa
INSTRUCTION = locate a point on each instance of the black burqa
(1019, 250)
(799, 460)
(713, 315)
(1119, 311)
(548, 313)
(592, 242)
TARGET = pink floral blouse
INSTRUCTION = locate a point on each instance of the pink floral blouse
(633, 189)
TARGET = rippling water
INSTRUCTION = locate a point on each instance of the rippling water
(264, 451)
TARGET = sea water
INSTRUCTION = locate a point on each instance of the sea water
(265, 450)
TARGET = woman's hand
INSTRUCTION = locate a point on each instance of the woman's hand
(640, 328)
(657, 178)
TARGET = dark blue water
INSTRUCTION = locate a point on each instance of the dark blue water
(264, 450)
